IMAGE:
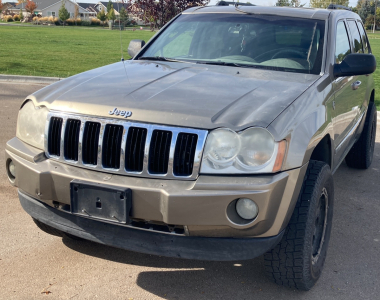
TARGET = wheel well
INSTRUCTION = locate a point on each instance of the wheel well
(322, 152)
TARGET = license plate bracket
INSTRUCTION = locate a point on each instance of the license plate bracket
(99, 201)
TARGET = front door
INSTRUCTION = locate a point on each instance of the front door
(346, 107)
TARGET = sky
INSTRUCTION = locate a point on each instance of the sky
(257, 2)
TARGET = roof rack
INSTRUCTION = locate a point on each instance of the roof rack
(337, 6)
(227, 3)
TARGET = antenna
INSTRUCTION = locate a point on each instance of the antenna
(121, 40)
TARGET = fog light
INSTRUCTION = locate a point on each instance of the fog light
(246, 208)
(12, 169)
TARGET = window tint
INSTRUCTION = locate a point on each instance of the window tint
(357, 42)
(364, 37)
(342, 44)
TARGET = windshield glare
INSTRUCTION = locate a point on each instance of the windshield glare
(259, 41)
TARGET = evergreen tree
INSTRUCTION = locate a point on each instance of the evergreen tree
(111, 15)
(63, 13)
(102, 16)
(123, 16)
(282, 3)
(109, 6)
(21, 14)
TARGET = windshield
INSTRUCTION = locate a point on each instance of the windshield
(256, 41)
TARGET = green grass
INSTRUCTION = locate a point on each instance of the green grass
(61, 51)
(374, 40)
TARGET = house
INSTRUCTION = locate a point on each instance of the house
(6, 8)
(50, 8)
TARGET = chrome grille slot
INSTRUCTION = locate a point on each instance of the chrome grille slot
(134, 149)
(184, 154)
(159, 151)
(55, 129)
(118, 146)
(111, 146)
(90, 143)
(71, 143)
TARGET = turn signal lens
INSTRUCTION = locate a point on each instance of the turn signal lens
(280, 156)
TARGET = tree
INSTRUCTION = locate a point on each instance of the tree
(369, 21)
(111, 15)
(326, 3)
(158, 13)
(1, 6)
(282, 3)
(21, 14)
(76, 11)
(63, 13)
(123, 16)
(102, 16)
(109, 6)
(30, 6)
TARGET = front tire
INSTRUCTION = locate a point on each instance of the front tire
(361, 153)
(297, 261)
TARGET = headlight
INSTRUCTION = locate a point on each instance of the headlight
(253, 150)
(31, 124)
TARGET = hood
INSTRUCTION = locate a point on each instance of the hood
(178, 94)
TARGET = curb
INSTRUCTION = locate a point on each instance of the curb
(28, 79)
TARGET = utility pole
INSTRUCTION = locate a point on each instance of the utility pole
(374, 18)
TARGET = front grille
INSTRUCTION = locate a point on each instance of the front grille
(123, 147)
(134, 149)
(72, 139)
(90, 143)
(184, 154)
(54, 136)
(159, 151)
(111, 146)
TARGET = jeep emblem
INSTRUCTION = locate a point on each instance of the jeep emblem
(122, 113)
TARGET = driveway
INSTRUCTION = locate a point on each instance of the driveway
(34, 265)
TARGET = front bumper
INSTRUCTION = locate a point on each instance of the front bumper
(201, 248)
(199, 205)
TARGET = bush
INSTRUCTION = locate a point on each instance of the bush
(8, 18)
(16, 18)
(85, 23)
(94, 21)
(35, 19)
(44, 19)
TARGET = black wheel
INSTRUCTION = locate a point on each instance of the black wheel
(48, 229)
(361, 154)
(297, 261)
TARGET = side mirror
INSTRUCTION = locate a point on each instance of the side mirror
(135, 46)
(355, 64)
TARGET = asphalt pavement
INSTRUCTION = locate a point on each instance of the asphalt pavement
(35, 265)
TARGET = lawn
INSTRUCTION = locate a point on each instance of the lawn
(61, 51)
(374, 40)
(65, 51)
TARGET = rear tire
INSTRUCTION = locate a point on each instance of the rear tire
(361, 153)
(297, 261)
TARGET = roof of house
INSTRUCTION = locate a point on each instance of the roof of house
(91, 7)
(41, 4)
(116, 5)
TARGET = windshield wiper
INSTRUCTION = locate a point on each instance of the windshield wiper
(158, 58)
(222, 63)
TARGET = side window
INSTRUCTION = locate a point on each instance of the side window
(342, 44)
(357, 42)
(364, 37)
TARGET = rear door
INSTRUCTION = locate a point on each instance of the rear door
(345, 107)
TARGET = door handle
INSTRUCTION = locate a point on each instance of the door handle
(356, 85)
